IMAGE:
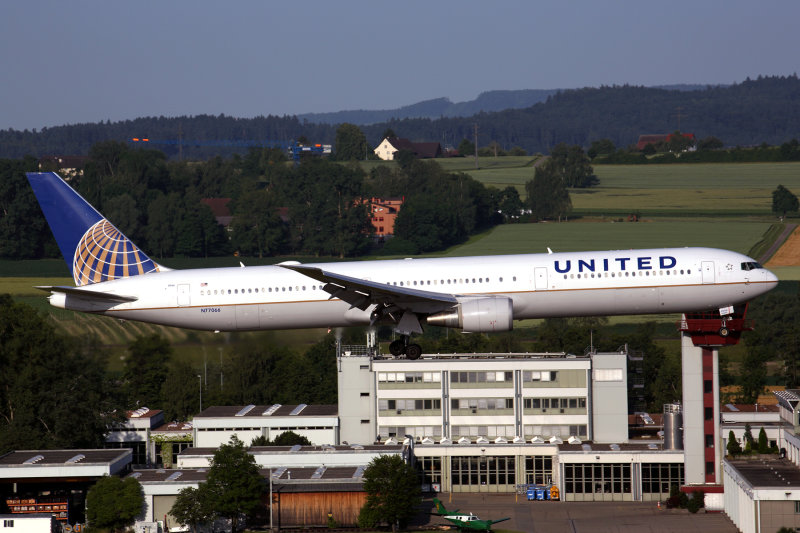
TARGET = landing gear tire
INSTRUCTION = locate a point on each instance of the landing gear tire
(397, 348)
(413, 351)
(724, 331)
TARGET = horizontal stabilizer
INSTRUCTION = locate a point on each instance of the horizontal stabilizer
(89, 295)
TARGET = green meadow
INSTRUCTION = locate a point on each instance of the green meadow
(672, 190)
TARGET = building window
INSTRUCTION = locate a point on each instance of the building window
(708, 413)
(539, 469)
(796, 508)
(707, 386)
(10, 523)
(709, 441)
(657, 478)
(597, 478)
(608, 374)
(483, 471)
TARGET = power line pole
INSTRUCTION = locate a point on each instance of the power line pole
(476, 145)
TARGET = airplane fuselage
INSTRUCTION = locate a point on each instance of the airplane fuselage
(622, 282)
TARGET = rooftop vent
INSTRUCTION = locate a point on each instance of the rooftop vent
(140, 412)
(319, 472)
(359, 473)
(586, 447)
(276, 474)
(296, 448)
(77, 458)
(174, 476)
(296, 411)
(614, 447)
(33, 460)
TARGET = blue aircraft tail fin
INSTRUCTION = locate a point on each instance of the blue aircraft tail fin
(93, 248)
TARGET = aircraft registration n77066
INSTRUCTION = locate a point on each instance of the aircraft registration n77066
(474, 294)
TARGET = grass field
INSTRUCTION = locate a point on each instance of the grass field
(732, 234)
(712, 188)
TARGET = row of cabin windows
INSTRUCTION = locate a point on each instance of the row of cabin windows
(627, 274)
(216, 292)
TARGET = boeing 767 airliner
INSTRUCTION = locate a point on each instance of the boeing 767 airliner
(113, 277)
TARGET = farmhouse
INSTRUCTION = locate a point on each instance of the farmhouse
(391, 145)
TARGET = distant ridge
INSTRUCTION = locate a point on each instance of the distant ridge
(486, 102)
(749, 113)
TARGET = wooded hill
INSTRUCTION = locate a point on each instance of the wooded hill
(762, 110)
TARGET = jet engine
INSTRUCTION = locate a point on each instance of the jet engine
(477, 315)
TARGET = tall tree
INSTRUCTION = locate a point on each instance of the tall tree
(548, 197)
(393, 492)
(54, 392)
(572, 165)
(351, 143)
(146, 370)
(194, 506)
(234, 481)
(114, 503)
(784, 202)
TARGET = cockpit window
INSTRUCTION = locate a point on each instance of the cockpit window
(752, 265)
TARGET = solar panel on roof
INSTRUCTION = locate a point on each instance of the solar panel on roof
(246, 409)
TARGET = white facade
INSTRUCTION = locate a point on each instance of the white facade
(297, 456)
(32, 523)
(216, 425)
(494, 396)
(762, 495)
(385, 150)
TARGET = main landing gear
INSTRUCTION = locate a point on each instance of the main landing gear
(401, 346)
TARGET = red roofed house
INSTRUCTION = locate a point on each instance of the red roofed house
(219, 207)
(391, 145)
(644, 140)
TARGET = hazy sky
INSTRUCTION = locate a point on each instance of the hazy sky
(66, 62)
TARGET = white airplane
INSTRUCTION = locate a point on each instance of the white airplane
(475, 294)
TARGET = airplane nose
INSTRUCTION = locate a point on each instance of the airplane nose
(770, 278)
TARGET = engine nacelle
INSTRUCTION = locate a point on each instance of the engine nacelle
(477, 315)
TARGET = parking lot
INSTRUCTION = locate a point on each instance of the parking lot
(579, 517)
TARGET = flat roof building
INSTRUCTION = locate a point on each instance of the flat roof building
(216, 425)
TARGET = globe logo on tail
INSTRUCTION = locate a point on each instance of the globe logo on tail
(104, 253)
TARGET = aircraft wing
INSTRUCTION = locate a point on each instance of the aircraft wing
(97, 296)
(362, 293)
(501, 520)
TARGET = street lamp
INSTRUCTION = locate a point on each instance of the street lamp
(200, 382)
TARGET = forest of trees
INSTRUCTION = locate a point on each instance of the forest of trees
(316, 208)
(743, 114)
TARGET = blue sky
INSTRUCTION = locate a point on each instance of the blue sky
(91, 60)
